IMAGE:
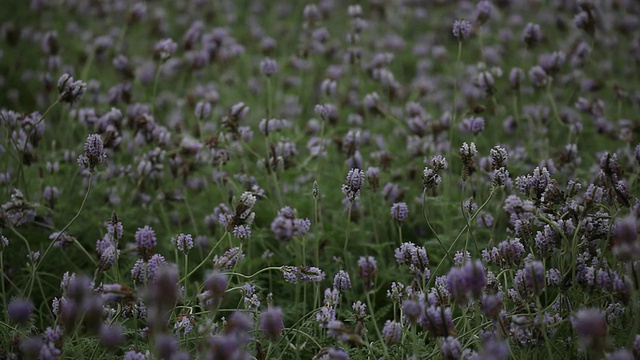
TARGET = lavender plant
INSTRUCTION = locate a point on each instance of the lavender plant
(322, 180)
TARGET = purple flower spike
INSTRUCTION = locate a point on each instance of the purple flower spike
(591, 327)
(271, 323)
(461, 29)
(19, 311)
(399, 212)
(93, 154)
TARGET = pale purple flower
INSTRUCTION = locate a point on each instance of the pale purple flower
(342, 281)
(145, 240)
(271, 323)
(392, 332)
(461, 29)
(70, 90)
(591, 326)
(184, 242)
(93, 154)
(399, 211)
(165, 48)
(268, 67)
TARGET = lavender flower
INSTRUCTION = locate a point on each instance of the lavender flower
(625, 239)
(142, 270)
(165, 48)
(216, 286)
(438, 321)
(355, 181)
(368, 270)
(242, 232)
(311, 273)
(412, 310)
(70, 90)
(450, 348)
(359, 310)
(268, 67)
(228, 260)
(591, 327)
(534, 276)
(203, 110)
(392, 332)
(342, 281)
(184, 242)
(62, 240)
(251, 301)
(112, 336)
(184, 324)
(93, 154)
(468, 153)
(293, 274)
(145, 241)
(271, 323)
(415, 257)
(538, 76)
(461, 29)
(474, 125)
(531, 35)
(399, 212)
(290, 274)
(373, 176)
(286, 226)
(483, 11)
(19, 311)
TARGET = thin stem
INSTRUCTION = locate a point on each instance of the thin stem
(375, 325)
(346, 240)
(42, 258)
(452, 123)
(205, 259)
(4, 296)
(155, 88)
(455, 241)
(424, 215)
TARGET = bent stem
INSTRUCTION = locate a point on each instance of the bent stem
(455, 241)
(205, 259)
(42, 258)
(424, 214)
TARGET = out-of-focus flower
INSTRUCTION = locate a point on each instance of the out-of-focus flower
(461, 29)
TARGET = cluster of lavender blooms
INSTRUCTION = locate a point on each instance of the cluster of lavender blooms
(518, 120)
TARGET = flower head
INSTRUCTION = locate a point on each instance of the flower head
(70, 90)
(461, 29)
(93, 154)
(399, 211)
(271, 323)
(184, 242)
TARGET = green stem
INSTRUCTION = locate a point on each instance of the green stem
(155, 88)
(424, 215)
(205, 259)
(4, 296)
(346, 240)
(455, 241)
(375, 325)
(42, 258)
(452, 123)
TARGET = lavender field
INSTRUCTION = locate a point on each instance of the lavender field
(382, 179)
